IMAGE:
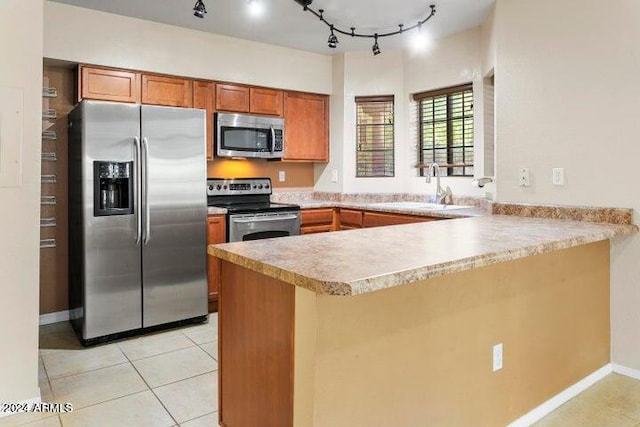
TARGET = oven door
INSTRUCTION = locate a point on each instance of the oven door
(255, 226)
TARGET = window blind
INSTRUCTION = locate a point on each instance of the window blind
(374, 136)
(445, 119)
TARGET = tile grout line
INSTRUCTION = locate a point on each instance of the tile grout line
(153, 392)
(86, 372)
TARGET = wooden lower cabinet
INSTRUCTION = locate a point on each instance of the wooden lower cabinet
(317, 220)
(350, 219)
(377, 219)
(216, 233)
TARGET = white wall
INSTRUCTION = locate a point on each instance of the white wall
(567, 96)
(88, 36)
(21, 53)
(451, 61)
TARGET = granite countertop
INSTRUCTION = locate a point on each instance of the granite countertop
(355, 262)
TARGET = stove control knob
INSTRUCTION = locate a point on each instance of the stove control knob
(218, 187)
(254, 187)
(211, 188)
(260, 187)
(266, 186)
(224, 187)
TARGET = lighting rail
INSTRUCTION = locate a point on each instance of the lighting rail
(333, 39)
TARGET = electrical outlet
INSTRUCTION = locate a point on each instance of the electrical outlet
(334, 175)
(558, 176)
(497, 357)
(281, 176)
(524, 177)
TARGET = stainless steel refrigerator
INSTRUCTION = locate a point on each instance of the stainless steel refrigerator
(137, 218)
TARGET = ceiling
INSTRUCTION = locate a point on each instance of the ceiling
(284, 23)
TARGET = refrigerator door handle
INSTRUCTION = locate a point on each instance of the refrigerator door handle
(147, 225)
(136, 188)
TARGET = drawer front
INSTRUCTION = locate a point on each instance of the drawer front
(351, 218)
(374, 219)
(312, 229)
(316, 216)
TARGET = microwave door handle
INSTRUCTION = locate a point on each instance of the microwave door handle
(267, 219)
(273, 139)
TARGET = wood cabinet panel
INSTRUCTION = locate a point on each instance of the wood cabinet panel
(377, 219)
(316, 216)
(317, 220)
(164, 90)
(216, 233)
(204, 97)
(108, 84)
(232, 98)
(256, 323)
(266, 101)
(350, 218)
(306, 127)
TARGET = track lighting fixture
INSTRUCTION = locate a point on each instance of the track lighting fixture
(333, 39)
(375, 49)
(199, 9)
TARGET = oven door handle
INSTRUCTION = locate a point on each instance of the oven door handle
(265, 219)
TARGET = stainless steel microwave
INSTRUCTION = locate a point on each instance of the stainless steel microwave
(244, 135)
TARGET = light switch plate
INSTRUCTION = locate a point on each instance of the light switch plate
(281, 176)
(558, 176)
(334, 175)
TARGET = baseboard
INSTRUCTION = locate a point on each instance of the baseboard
(29, 402)
(628, 372)
(58, 316)
(559, 399)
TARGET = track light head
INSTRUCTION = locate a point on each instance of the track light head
(333, 40)
(375, 49)
(199, 9)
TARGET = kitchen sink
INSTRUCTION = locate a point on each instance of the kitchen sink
(419, 206)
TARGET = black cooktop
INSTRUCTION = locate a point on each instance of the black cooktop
(241, 208)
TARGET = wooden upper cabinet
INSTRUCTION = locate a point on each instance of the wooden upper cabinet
(232, 98)
(108, 85)
(204, 97)
(266, 101)
(306, 121)
(165, 90)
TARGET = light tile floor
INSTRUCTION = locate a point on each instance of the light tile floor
(164, 379)
(171, 379)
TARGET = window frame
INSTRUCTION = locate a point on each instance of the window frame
(468, 169)
(376, 99)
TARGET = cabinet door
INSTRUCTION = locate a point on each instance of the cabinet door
(375, 219)
(306, 127)
(317, 220)
(204, 97)
(266, 101)
(169, 91)
(350, 218)
(232, 98)
(109, 85)
(216, 233)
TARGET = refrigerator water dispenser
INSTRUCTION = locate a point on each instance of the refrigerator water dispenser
(113, 188)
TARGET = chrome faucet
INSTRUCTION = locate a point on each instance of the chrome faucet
(442, 196)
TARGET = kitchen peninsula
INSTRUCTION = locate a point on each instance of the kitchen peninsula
(395, 325)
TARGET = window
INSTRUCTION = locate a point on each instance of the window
(445, 131)
(374, 136)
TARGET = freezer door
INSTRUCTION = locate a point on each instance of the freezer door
(174, 215)
(105, 259)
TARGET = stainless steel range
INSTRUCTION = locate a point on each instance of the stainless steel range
(250, 213)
